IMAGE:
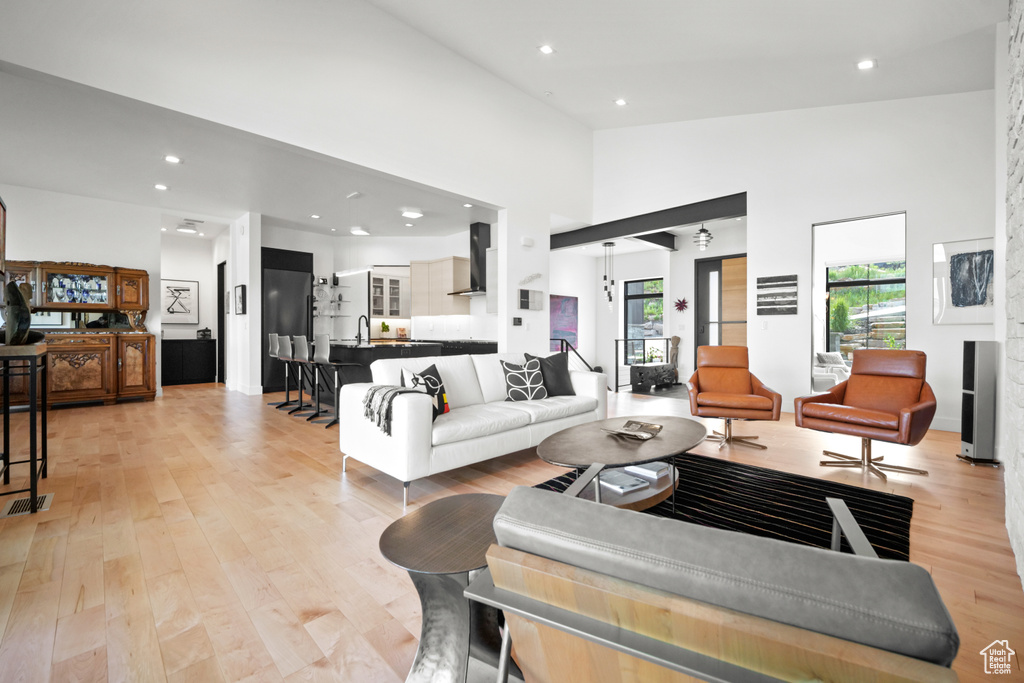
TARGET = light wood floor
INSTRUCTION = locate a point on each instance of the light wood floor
(208, 537)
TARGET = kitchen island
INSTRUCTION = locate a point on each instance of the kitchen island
(349, 351)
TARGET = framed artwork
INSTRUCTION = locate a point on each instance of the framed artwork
(3, 236)
(48, 319)
(239, 299)
(962, 282)
(776, 295)
(227, 303)
(565, 311)
(179, 300)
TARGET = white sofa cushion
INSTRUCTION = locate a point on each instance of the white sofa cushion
(490, 374)
(471, 422)
(458, 374)
(555, 407)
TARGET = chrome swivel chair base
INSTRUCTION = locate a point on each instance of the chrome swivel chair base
(729, 438)
(866, 462)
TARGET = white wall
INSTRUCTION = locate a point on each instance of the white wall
(49, 226)
(190, 258)
(931, 157)
(576, 274)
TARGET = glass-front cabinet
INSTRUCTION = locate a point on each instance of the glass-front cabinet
(76, 286)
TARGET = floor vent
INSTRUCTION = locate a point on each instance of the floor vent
(22, 506)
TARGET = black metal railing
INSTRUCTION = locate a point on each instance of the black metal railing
(574, 356)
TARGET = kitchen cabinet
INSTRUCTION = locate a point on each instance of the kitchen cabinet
(432, 282)
(20, 272)
(389, 296)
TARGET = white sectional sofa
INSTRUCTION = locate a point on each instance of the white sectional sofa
(480, 425)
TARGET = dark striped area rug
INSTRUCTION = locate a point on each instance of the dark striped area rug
(789, 507)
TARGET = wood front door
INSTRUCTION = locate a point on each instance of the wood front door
(721, 302)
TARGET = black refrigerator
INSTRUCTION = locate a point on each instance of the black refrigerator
(287, 306)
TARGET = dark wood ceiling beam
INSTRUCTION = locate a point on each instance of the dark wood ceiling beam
(720, 208)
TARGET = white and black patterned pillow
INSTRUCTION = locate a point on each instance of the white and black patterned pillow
(523, 382)
(429, 382)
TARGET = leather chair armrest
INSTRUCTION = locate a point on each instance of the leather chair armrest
(694, 390)
(915, 420)
(762, 390)
(833, 395)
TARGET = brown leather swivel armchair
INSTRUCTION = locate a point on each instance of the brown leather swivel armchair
(723, 386)
(886, 398)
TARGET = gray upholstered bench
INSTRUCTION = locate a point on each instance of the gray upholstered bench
(585, 585)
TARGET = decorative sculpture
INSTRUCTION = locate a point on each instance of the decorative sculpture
(19, 316)
(673, 356)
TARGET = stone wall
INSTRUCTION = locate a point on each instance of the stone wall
(1013, 391)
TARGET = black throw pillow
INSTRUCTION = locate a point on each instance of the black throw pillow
(555, 369)
(429, 382)
(523, 382)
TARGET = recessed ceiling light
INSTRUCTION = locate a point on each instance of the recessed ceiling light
(160, 187)
(412, 213)
(171, 159)
(468, 206)
(202, 234)
(314, 215)
(546, 49)
(163, 229)
(189, 231)
(866, 64)
(408, 225)
(621, 102)
(358, 231)
(333, 229)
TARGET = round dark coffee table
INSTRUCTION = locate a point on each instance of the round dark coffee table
(443, 545)
(584, 445)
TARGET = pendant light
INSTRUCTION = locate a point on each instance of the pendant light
(609, 272)
(703, 238)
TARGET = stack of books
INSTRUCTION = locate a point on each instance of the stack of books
(620, 482)
(652, 471)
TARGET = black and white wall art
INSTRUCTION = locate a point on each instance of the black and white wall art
(962, 282)
(776, 295)
(179, 301)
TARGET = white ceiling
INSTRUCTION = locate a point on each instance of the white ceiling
(66, 137)
(672, 60)
(676, 60)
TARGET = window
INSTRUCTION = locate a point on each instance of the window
(644, 305)
(867, 306)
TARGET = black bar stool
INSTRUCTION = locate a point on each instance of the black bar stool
(304, 367)
(284, 353)
(273, 352)
(322, 359)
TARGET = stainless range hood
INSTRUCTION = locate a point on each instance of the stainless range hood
(479, 242)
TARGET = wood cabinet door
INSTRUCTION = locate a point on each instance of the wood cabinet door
(136, 365)
(20, 272)
(81, 368)
(419, 284)
(132, 290)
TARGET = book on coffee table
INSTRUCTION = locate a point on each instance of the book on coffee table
(634, 429)
(655, 471)
(620, 482)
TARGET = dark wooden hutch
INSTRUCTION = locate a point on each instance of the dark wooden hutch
(104, 363)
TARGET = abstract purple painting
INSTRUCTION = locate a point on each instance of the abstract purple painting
(565, 313)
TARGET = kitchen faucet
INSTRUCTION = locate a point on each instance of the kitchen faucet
(359, 329)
